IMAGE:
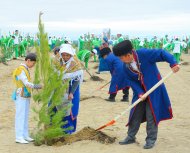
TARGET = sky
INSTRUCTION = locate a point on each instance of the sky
(75, 17)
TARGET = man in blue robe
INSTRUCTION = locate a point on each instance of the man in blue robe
(118, 80)
(102, 64)
(142, 73)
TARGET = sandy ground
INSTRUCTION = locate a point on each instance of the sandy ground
(173, 136)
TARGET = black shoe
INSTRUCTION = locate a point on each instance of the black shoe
(125, 100)
(127, 141)
(110, 100)
(97, 72)
(148, 146)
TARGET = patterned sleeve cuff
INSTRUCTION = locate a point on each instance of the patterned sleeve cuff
(173, 65)
(37, 86)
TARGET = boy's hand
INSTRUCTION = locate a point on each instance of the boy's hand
(38, 86)
(175, 68)
(70, 97)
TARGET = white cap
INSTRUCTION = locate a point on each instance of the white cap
(94, 51)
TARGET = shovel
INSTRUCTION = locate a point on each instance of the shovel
(136, 102)
(93, 77)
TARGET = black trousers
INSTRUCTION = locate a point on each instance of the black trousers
(125, 94)
(142, 110)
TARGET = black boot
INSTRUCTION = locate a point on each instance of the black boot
(111, 98)
(126, 95)
(125, 99)
(148, 146)
(126, 141)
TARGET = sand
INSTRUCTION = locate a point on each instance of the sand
(173, 135)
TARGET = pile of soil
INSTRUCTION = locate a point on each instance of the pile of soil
(87, 133)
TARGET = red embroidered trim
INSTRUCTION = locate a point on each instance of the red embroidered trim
(159, 77)
(173, 65)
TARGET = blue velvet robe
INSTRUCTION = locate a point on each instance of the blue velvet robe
(72, 118)
(102, 64)
(149, 75)
(118, 80)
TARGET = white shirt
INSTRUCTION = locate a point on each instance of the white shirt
(177, 47)
(50, 41)
(16, 40)
(134, 66)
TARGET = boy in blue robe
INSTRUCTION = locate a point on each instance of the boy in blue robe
(118, 80)
(142, 73)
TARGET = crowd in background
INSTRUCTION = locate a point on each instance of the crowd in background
(15, 45)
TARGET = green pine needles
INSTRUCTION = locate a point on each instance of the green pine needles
(50, 97)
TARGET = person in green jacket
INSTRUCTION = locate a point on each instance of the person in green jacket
(120, 38)
(10, 48)
(81, 43)
(84, 56)
(22, 47)
(96, 43)
(7, 45)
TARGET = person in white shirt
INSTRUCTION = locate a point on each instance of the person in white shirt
(177, 50)
(21, 97)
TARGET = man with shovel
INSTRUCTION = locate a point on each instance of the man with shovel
(142, 73)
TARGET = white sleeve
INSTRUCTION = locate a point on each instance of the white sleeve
(24, 79)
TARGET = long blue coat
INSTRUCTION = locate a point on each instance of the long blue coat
(118, 80)
(149, 75)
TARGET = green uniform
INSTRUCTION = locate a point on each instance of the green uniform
(10, 48)
(22, 47)
(84, 56)
(7, 45)
(145, 45)
(16, 46)
(166, 44)
(120, 39)
(31, 42)
(81, 44)
(177, 48)
(159, 44)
